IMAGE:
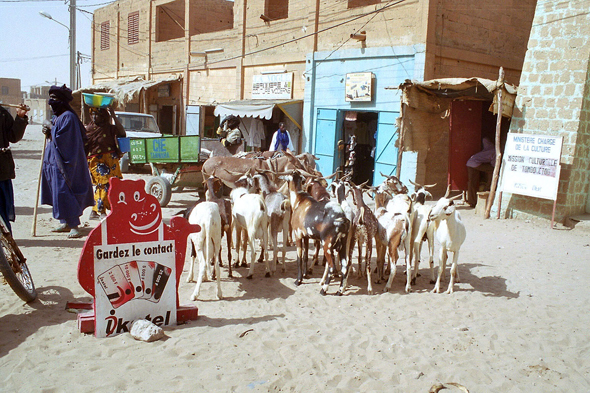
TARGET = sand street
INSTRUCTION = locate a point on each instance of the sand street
(517, 322)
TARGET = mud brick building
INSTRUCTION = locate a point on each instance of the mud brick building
(554, 99)
(321, 66)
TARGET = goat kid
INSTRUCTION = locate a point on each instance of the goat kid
(206, 244)
(451, 233)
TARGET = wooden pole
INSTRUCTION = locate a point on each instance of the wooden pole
(490, 201)
(400, 146)
(34, 227)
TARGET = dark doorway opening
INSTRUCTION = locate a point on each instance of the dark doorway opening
(166, 119)
(363, 126)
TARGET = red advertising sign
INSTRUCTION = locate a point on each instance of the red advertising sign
(132, 261)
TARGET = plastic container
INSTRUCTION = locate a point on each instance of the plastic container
(98, 100)
(124, 144)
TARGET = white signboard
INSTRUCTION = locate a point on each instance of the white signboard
(531, 165)
(277, 86)
(134, 281)
(359, 87)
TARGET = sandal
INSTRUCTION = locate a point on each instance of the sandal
(61, 228)
(74, 234)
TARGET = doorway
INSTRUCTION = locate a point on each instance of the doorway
(469, 123)
(166, 119)
(363, 126)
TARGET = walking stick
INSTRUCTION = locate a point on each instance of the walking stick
(34, 228)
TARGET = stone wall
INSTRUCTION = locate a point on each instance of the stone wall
(554, 99)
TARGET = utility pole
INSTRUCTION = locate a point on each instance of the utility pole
(73, 59)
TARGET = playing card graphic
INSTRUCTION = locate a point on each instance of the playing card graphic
(118, 290)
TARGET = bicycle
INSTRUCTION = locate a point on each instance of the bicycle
(13, 266)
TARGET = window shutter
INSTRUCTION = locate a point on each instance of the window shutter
(133, 28)
(105, 41)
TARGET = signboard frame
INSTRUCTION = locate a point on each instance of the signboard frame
(359, 87)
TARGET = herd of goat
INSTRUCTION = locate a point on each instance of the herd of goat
(300, 204)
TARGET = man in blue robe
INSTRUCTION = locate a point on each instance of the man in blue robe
(66, 183)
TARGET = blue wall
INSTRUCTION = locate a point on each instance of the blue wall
(325, 83)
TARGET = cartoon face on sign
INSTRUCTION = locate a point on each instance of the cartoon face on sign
(134, 221)
(133, 205)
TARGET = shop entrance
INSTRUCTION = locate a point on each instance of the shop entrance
(358, 152)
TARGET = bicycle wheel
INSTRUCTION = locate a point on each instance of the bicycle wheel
(16, 274)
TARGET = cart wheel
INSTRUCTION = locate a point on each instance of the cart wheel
(124, 163)
(160, 188)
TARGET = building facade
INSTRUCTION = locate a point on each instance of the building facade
(210, 52)
(554, 99)
(10, 93)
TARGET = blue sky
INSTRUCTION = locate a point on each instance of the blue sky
(35, 49)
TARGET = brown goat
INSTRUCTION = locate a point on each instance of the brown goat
(324, 221)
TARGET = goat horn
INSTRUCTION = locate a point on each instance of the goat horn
(415, 184)
(332, 175)
(364, 183)
(387, 176)
(455, 197)
(429, 185)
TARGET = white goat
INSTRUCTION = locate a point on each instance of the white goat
(450, 232)
(402, 204)
(392, 230)
(205, 244)
(249, 214)
(422, 229)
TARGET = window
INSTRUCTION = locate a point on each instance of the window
(170, 21)
(4, 90)
(361, 3)
(276, 9)
(105, 41)
(133, 28)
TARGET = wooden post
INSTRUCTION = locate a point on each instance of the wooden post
(490, 201)
(400, 146)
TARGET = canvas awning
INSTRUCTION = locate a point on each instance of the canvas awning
(422, 95)
(125, 89)
(262, 109)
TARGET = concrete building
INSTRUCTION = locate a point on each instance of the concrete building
(189, 57)
(10, 93)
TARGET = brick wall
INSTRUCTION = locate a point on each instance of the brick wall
(554, 99)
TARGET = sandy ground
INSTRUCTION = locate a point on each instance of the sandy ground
(518, 321)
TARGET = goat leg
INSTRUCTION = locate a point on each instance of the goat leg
(228, 235)
(368, 254)
(305, 257)
(299, 279)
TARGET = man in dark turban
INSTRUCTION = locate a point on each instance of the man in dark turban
(66, 183)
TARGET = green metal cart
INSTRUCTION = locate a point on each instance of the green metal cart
(174, 160)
